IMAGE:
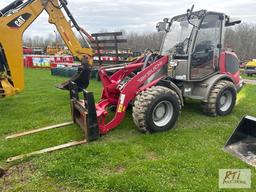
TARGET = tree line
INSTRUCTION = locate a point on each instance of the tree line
(241, 39)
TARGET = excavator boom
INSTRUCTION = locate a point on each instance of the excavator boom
(15, 19)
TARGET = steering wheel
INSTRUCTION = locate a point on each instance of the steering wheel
(150, 59)
(179, 47)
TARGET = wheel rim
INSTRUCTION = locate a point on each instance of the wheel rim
(225, 100)
(162, 113)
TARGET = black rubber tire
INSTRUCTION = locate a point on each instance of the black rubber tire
(146, 102)
(212, 107)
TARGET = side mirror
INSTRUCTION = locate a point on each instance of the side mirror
(232, 22)
(162, 26)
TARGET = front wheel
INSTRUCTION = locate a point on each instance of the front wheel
(156, 109)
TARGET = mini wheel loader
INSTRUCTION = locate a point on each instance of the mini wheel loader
(192, 64)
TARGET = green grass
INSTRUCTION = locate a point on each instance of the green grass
(186, 158)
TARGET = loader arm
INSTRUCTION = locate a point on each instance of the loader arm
(64, 27)
(14, 20)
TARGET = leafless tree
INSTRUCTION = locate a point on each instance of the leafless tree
(39, 41)
(242, 39)
(142, 41)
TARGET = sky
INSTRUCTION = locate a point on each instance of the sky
(137, 15)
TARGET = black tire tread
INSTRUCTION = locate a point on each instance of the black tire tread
(209, 108)
(142, 102)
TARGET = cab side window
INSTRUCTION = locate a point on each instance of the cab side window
(205, 55)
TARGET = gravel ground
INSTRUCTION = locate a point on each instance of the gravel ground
(249, 81)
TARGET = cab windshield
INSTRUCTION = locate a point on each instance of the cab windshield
(177, 39)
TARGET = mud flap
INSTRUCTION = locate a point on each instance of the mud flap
(242, 142)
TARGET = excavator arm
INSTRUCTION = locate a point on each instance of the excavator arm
(15, 19)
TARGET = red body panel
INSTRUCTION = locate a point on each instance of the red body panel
(27, 51)
(236, 76)
(120, 96)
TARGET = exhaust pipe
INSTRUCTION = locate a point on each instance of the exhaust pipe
(242, 142)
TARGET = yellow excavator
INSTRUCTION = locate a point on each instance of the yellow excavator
(15, 18)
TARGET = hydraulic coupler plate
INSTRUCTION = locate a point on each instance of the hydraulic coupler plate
(84, 112)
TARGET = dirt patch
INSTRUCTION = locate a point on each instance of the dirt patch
(120, 169)
(17, 174)
(152, 156)
(250, 81)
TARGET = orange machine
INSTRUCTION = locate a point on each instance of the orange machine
(15, 19)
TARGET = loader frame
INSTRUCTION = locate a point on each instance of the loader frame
(92, 118)
(117, 92)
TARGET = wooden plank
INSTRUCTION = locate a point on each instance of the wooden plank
(112, 41)
(107, 34)
(124, 54)
(39, 130)
(46, 150)
(104, 47)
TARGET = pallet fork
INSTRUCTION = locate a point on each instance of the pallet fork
(83, 114)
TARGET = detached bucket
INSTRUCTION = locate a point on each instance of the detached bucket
(242, 142)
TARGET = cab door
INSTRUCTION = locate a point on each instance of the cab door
(204, 58)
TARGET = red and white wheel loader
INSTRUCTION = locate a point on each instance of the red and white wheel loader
(192, 63)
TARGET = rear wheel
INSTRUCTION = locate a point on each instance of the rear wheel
(156, 109)
(221, 100)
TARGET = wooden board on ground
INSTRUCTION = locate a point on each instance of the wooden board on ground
(46, 150)
(38, 130)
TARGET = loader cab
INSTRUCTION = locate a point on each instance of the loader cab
(194, 42)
